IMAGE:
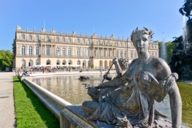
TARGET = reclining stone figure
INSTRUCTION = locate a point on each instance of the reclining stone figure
(99, 92)
(146, 80)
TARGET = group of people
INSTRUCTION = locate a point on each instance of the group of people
(45, 69)
(128, 99)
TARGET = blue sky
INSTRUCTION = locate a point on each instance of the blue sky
(103, 17)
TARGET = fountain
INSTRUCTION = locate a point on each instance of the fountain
(181, 61)
(163, 51)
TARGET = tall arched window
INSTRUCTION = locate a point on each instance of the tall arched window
(64, 51)
(48, 50)
(23, 50)
(106, 64)
(78, 52)
(23, 36)
(58, 51)
(30, 50)
(30, 37)
(69, 51)
(37, 50)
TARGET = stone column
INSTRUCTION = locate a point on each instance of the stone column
(34, 50)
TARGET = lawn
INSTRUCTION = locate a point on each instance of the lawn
(186, 94)
(30, 112)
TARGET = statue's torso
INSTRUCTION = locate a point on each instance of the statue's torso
(130, 99)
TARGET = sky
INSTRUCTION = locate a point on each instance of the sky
(85, 17)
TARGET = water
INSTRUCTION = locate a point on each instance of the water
(164, 51)
(72, 90)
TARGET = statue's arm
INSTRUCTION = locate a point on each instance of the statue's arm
(114, 82)
(175, 105)
(117, 67)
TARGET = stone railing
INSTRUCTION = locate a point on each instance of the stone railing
(70, 116)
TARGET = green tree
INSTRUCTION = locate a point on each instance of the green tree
(170, 48)
(6, 59)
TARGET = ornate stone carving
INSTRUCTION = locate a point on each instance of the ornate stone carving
(128, 100)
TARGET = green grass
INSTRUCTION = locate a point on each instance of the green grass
(186, 94)
(30, 112)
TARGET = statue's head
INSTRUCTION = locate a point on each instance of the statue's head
(141, 39)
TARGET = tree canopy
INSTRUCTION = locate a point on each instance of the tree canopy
(170, 47)
(6, 60)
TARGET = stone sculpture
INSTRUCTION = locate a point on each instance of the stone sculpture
(99, 92)
(131, 103)
(186, 9)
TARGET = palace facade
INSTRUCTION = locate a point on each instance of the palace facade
(55, 49)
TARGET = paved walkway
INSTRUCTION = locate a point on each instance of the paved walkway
(7, 112)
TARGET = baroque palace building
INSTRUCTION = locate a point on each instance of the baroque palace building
(71, 50)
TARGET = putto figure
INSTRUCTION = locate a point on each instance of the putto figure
(146, 80)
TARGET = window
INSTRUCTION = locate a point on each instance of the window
(64, 51)
(23, 50)
(30, 50)
(23, 36)
(79, 40)
(63, 39)
(131, 54)
(30, 37)
(69, 51)
(70, 40)
(37, 50)
(48, 50)
(60, 39)
(90, 41)
(86, 41)
(57, 39)
(48, 38)
(66, 39)
(105, 52)
(78, 52)
(37, 62)
(74, 40)
(58, 51)
(35, 38)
